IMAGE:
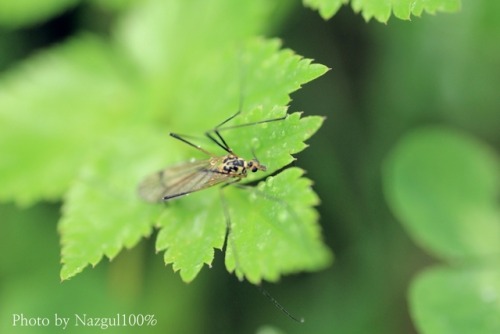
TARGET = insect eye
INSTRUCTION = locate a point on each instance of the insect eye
(254, 169)
(250, 163)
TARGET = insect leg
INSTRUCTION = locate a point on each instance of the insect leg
(218, 129)
(222, 143)
(278, 305)
(198, 147)
(219, 140)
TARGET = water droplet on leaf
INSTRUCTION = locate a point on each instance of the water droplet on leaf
(255, 143)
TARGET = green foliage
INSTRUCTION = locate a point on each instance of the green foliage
(29, 262)
(102, 213)
(27, 12)
(282, 207)
(381, 9)
(457, 300)
(326, 8)
(443, 186)
(87, 120)
(15, 13)
(55, 109)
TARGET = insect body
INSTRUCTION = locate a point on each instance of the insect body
(234, 166)
(196, 175)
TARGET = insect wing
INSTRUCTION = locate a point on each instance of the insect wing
(181, 180)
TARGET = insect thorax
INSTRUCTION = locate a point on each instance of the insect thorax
(234, 165)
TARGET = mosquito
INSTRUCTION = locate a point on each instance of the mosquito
(192, 176)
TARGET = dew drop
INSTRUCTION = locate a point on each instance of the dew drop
(255, 143)
(283, 216)
(270, 181)
(261, 186)
(253, 196)
(489, 296)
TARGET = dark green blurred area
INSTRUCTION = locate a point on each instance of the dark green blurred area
(385, 81)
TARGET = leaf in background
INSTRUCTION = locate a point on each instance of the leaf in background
(114, 5)
(17, 13)
(179, 45)
(54, 110)
(381, 9)
(443, 186)
(450, 301)
(326, 8)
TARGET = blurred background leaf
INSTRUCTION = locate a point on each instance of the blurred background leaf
(18, 13)
(381, 10)
(42, 157)
(444, 187)
(30, 283)
(446, 300)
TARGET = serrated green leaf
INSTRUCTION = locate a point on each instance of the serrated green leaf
(189, 236)
(16, 13)
(381, 10)
(443, 185)
(190, 230)
(272, 75)
(102, 213)
(445, 300)
(273, 229)
(326, 8)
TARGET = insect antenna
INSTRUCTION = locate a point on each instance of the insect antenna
(253, 153)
